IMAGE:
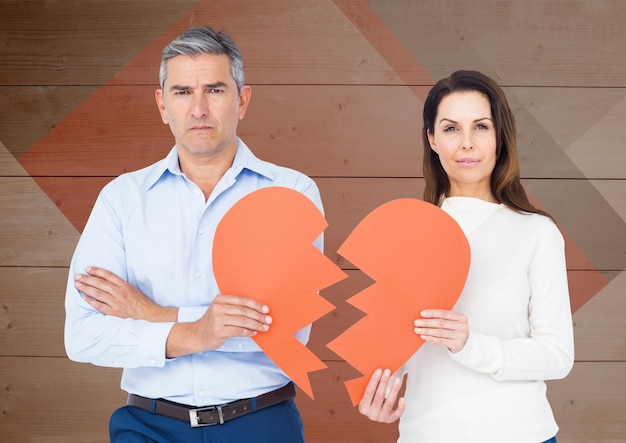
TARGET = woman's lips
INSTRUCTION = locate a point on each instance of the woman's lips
(467, 162)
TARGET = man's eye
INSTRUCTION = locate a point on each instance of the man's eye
(215, 90)
(182, 92)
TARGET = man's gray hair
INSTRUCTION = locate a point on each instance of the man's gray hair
(204, 40)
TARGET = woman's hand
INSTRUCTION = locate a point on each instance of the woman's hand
(374, 405)
(444, 328)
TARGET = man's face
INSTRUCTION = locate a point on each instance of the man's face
(201, 104)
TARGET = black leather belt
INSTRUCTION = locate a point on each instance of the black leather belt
(212, 415)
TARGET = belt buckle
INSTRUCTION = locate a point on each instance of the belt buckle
(194, 419)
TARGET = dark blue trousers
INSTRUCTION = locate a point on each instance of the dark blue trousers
(280, 423)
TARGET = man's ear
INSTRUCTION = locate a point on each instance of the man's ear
(244, 99)
(158, 96)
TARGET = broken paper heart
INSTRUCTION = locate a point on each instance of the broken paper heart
(263, 248)
(419, 258)
(416, 254)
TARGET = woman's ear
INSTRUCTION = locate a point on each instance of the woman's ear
(431, 141)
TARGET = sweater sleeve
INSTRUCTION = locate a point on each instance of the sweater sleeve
(548, 352)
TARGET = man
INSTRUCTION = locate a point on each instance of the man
(186, 350)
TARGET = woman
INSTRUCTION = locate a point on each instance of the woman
(479, 377)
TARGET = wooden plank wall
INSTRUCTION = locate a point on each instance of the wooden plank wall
(338, 88)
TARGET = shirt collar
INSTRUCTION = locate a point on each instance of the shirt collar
(244, 160)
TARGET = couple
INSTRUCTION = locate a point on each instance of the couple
(141, 294)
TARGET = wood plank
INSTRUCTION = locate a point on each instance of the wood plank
(52, 45)
(532, 43)
(614, 192)
(70, 402)
(32, 314)
(9, 165)
(599, 327)
(33, 231)
(594, 242)
(594, 233)
(329, 131)
(589, 403)
(587, 108)
(32, 311)
(331, 416)
(587, 218)
(283, 42)
(55, 389)
(315, 37)
(30, 112)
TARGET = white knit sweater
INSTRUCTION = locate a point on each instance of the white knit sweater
(517, 302)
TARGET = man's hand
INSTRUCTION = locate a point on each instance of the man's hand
(110, 295)
(378, 406)
(444, 328)
(227, 316)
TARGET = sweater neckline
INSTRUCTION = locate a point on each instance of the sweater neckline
(469, 212)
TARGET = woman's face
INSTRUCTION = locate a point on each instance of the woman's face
(464, 138)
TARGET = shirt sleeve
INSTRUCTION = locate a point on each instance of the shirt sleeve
(101, 339)
(548, 352)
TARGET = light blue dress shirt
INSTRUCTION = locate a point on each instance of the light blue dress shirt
(154, 229)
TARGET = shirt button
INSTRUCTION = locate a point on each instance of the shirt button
(200, 231)
(240, 345)
(198, 274)
(152, 361)
(201, 393)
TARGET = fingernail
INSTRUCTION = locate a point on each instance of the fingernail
(387, 372)
(266, 309)
(77, 284)
(268, 320)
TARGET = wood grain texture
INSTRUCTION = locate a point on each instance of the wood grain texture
(32, 314)
(72, 401)
(54, 226)
(59, 42)
(533, 43)
(338, 87)
(33, 231)
(588, 404)
(599, 327)
(359, 130)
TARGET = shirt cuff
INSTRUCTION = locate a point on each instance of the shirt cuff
(152, 344)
